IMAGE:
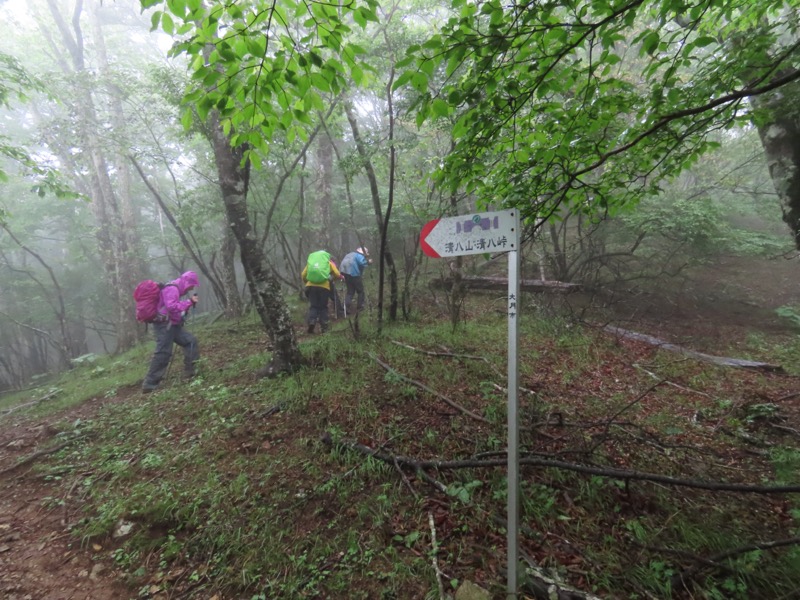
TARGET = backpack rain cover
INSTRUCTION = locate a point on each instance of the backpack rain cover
(147, 296)
(318, 268)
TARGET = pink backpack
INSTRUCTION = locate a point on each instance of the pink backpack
(147, 297)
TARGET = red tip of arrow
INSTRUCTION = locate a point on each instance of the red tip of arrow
(423, 244)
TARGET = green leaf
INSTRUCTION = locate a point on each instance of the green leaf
(255, 160)
(257, 45)
(404, 78)
(178, 7)
(167, 24)
(440, 107)
(650, 43)
(320, 82)
(155, 20)
(420, 82)
(704, 40)
(357, 74)
(187, 118)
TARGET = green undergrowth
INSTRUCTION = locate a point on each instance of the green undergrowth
(256, 488)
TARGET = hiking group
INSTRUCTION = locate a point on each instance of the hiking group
(160, 305)
(319, 277)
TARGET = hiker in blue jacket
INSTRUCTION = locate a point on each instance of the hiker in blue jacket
(169, 330)
(353, 265)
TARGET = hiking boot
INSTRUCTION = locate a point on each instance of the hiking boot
(146, 388)
(323, 327)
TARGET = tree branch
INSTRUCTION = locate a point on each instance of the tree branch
(609, 472)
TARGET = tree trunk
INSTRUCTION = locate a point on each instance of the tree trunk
(324, 201)
(233, 301)
(780, 137)
(116, 237)
(129, 253)
(264, 286)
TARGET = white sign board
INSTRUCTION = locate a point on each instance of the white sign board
(481, 233)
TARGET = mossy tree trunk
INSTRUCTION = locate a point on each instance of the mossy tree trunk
(264, 286)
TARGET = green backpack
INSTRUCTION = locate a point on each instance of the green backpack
(318, 268)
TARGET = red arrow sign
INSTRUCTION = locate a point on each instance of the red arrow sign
(426, 248)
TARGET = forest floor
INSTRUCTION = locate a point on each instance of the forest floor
(40, 559)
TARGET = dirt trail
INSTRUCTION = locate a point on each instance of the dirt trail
(39, 557)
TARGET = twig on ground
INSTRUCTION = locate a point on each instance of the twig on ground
(670, 383)
(405, 480)
(610, 421)
(36, 455)
(681, 579)
(8, 411)
(434, 556)
(447, 354)
(786, 429)
(467, 356)
(422, 386)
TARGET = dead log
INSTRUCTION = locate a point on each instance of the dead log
(722, 361)
(501, 283)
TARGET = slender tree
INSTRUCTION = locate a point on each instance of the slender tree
(116, 218)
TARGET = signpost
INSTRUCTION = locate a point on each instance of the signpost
(484, 233)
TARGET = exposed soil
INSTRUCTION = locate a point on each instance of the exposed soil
(41, 560)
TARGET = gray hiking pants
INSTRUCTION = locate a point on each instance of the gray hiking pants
(355, 287)
(167, 335)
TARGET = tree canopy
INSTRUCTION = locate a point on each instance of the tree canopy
(593, 103)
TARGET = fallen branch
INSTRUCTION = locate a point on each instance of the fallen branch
(469, 356)
(34, 456)
(37, 401)
(785, 429)
(434, 556)
(546, 587)
(721, 361)
(665, 382)
(446, 354)
(682, 578)
(609, 472)
(501, 283)
(422, 386)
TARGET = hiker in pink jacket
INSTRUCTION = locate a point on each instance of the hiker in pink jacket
(169, 329)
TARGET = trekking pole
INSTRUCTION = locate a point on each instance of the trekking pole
(169, 366)
(344, 301)
(194, 307)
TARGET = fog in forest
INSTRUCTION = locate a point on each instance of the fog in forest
(114, 170)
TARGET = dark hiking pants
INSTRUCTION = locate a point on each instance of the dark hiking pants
(167, 335)
(317, 306)
(355, 286)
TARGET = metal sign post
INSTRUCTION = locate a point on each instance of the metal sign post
(513, 418)
(485, 233)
